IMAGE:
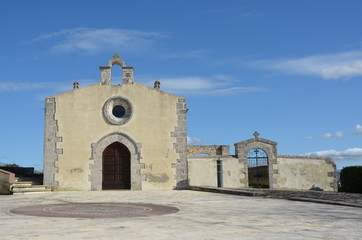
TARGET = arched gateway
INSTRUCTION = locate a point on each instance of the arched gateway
(259, 157)
(258, 170)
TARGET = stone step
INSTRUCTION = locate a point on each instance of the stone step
(33, 189)
(22, 184)
(35, 180)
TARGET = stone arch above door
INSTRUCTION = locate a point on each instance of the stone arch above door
(95, 165)
(242, 149)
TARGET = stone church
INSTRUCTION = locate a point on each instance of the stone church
(127, 135)
(115, 136)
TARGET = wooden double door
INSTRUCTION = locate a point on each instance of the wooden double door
(116, 169)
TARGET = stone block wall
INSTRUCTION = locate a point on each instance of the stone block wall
(209, 150)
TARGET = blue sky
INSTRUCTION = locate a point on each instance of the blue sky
(291, 70)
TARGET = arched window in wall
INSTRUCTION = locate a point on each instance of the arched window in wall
(258, 170)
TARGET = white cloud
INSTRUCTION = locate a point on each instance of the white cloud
(188, 83)
(23, 86)
(191, 140)
(350, 154)
(358, 130)
(53, 87)
(93, 40)
(327, 135)
(339, 134)
(39, 91)
(214, 85)
(194, 54)
(234, 90)
(328, 66)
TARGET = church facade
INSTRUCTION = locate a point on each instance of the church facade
(121, 136)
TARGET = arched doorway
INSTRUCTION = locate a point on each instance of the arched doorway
(258, 170)
(116, 167)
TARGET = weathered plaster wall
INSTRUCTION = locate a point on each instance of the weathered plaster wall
(6, 180)
(155, 125)
(203, 171)
(306, 173)
(234, 173)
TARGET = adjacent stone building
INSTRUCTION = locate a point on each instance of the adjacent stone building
(115, 136)
(256, 163)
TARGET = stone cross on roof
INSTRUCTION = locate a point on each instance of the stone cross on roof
(256, 134)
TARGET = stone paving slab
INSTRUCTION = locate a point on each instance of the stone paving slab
(335, 198)
(201, 216)
(314, 200)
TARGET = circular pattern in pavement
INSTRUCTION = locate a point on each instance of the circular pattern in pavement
(95, 210)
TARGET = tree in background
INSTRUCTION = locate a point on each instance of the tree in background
(351, 179)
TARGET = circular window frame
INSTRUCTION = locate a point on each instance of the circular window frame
(110, 104)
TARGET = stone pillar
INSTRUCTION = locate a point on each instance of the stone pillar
(127, 73)
(180, 146)
(225, 150)
(50, 143)
(105, 75)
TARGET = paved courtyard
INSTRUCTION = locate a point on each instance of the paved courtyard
(201, 216)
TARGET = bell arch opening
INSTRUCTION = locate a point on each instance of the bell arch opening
(116, 74)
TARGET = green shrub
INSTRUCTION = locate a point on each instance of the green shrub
(11, 165)
(351, 179)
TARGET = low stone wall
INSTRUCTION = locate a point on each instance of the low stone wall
(306, 173)
(208, 150)
(6, 180)
(290, 173)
